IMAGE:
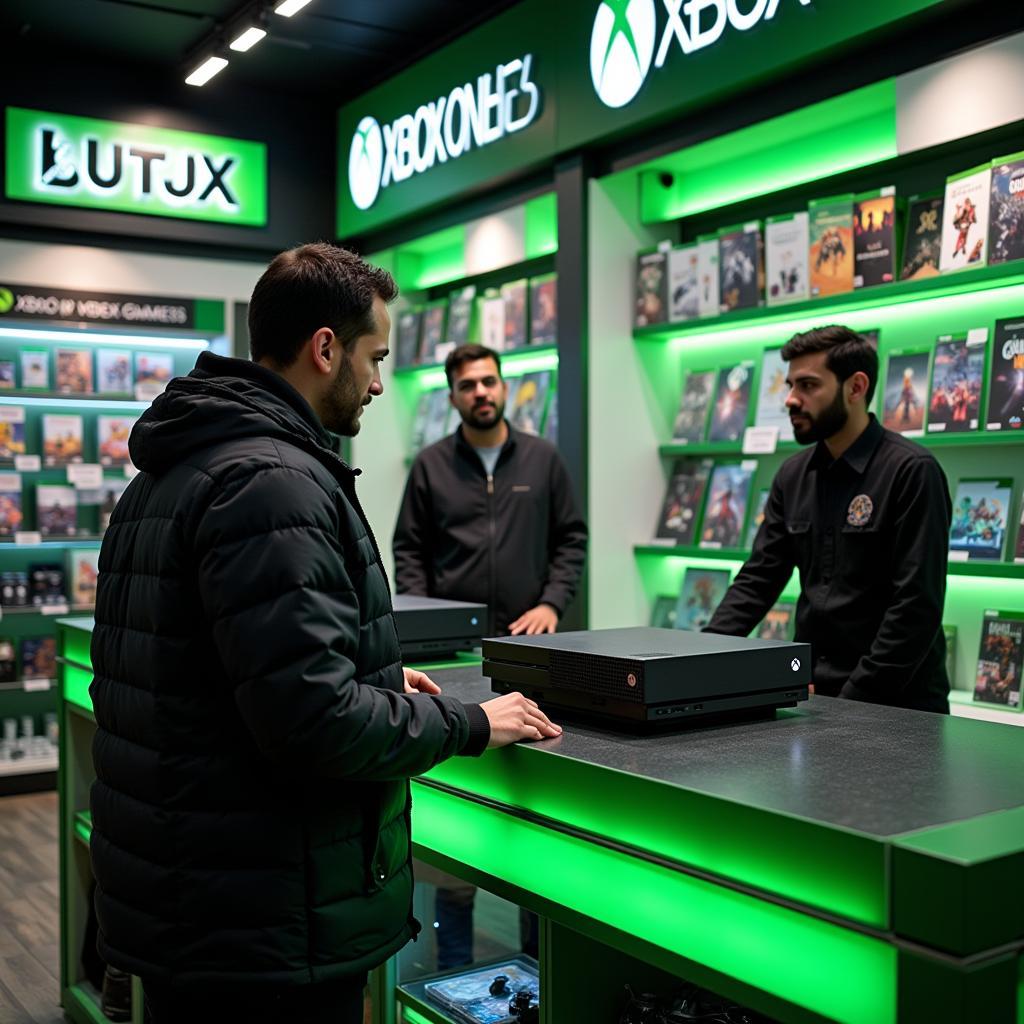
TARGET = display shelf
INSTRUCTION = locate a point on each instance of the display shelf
(85, 538)
(877, 297)
(961, 704)
(82, 1004)
(75, 399)
(58, 609)
(33, 685)
(419, 1011)
(970, 439)
(512, 357)
(992, 570)
(29, 765)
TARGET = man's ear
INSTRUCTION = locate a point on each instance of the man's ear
(322, 350)
(859, 385)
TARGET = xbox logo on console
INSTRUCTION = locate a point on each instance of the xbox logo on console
(795, 664)
(6, 300)
(365, 163)
(621, 48)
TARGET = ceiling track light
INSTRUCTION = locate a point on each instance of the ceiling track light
(206, 70)
(247, 39)
(289, 7)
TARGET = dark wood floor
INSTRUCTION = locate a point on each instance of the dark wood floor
(28, 910)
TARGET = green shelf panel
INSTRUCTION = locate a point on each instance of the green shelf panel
(836, 973)
(417, 1011)
(961, 283)
(83, 1006)
(462, 659)
(76, 686)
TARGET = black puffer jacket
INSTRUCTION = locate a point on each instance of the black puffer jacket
(251, 808)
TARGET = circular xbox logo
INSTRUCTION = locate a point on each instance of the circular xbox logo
(795, 664)
(365, 163)
(6, 300)
(621, 48)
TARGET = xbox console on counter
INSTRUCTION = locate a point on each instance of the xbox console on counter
(429, 628)
(650, 678)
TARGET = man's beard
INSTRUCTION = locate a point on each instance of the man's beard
(483, 417)
(828, 422)
(342, 403)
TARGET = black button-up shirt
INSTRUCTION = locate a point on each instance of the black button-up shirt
(869, 533)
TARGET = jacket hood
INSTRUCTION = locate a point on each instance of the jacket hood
(222, 400)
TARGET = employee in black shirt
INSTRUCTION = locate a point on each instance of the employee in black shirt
(864, 515)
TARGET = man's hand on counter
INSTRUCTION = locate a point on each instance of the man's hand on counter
(542, 619)
(514, 717)
(419, 682)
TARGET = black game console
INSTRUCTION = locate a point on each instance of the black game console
(649, 678)
(430, 629)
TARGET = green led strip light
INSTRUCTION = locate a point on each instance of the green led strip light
(76, 686)
(840, 974)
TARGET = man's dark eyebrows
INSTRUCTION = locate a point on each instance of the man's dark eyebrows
(805, 375)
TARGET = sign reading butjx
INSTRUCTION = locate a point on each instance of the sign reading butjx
(132, 168)
(555, 76)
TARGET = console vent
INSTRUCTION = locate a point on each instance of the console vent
(598, 675)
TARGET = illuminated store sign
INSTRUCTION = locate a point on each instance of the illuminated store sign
(623, 37)
(42, 302)
(470, 116)
(79, 161)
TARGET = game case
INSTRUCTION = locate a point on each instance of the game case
(38, 657)
(732, 401)
(701, 594)
(544, 310)
(772, 392)
(14, 589)
(691, 420)
(526, 411)
(467, 996)
(741, 267)
(651, 288)
(492, 321)
(756, 517)
(62, 439)
(905, 397)
(725, 511)
(663, 614)
(153, 371)
(10, 504)
(7, 372)
(981, 512)
(922, 243)
(113, 433)
(1006, 378)
(74, 371)
(958, 369)
(84, 573)
(708, 300)
(460, 315)
(965, 219)
(9, 660)
(1018, 551)
(35, 369)
(46, 584)
(1006, 210)
(1000, 659)
(113, 371)
(779, 622)
(684, 498)
(682, 283)
(432, 331)
(786, 244)
(407, 339)
(106, 497)
(514, 294)
(56, 510)
(874, 238)
(12, 431)
(439, 408)
(831, 245)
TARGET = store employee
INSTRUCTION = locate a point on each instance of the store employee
(864, 515)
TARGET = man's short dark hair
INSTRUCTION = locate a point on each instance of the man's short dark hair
(313, 286)
(458, 358)
(848, 353)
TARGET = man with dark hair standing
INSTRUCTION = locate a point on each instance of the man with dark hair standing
(488, 516)
(489, 513)
(864, 516)
(256, 729)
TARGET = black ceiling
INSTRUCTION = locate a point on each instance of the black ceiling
(333, 49)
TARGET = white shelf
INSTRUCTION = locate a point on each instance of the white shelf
(962, 705)
(29, 765)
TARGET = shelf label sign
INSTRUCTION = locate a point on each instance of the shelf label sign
(622, 48)
(133, 168)
(472, 115)
(40, 302)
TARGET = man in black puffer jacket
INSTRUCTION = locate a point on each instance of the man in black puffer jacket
(256, 729)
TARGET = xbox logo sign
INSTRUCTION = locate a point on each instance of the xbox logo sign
(795, 664)
(621, 49)
(6, 300)
(365, 163)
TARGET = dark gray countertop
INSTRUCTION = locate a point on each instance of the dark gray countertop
(881, 771)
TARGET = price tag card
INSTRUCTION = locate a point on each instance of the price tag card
(36, 685)
(760, 440)
(54, 609)
(86, 476)
(28, 463)
(28, 537)
(959, 556)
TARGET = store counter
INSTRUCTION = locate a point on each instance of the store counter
(839, 861)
